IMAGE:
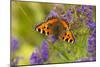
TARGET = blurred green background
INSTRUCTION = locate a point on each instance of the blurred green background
(25, 15)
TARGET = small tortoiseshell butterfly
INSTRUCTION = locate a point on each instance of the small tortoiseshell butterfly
(57, 27)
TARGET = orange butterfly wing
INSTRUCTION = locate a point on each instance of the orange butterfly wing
(44, 28)
(65, 24)
(67, 36)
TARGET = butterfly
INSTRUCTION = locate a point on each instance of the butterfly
(57, 27)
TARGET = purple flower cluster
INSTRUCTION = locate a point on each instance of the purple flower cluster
(52, 39)
(14, 44)
(85, 10)
(89, 14)
(91, 24)
(40, 56)
(92, 38)
(35, 59)
(78, 10)
(88, 11)
(44, 50)
(92, 43)
(14, 48)
(67, 16)
(52, 14)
